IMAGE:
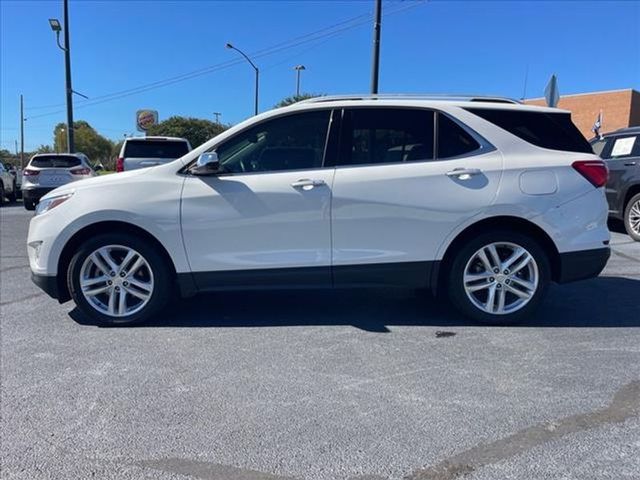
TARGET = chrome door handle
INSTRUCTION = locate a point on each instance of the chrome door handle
(307, 183)
(464, 173)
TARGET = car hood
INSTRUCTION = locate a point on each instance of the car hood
(95, 182)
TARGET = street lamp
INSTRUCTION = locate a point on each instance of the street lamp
(228, 45)
(298, 68)
(56, 27)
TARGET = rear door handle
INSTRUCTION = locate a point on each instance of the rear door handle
(307, 184)
(464, 173)
(629, 164)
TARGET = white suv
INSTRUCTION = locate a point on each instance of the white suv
(483, 199)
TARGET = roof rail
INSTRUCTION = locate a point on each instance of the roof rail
(412, 96)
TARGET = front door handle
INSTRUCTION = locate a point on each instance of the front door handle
(630, 164)
(307, 184)
(464, 173)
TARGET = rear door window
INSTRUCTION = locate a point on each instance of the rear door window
(386, 135)
(156, 149)
(622, 146)
(55, 161)
(554, 131)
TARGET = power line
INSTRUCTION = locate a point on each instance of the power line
(301, 40)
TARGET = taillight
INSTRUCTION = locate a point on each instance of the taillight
(120, 165)
(30, 173)
(81, 171)
(593, 170)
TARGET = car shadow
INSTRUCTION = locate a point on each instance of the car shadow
(602, 302)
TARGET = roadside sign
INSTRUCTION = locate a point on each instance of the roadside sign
(551, 93)
(145, 119)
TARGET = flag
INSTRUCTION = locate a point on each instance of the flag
(597, 125)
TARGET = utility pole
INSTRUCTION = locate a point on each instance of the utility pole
(21, 133)
(298, 69)
(217, 114)
(67, 66)
(375, 64)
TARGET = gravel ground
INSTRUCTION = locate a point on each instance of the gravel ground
(321, 385)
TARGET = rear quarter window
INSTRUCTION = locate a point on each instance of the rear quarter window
(554, 131)
(156, 149)
(55, 161)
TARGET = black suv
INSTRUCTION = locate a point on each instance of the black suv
(621, 151)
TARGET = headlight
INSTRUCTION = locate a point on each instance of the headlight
(52, 202)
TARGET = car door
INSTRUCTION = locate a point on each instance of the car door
(622, 155)
(264, 219)
(398, 193)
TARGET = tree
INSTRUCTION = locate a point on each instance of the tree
(196, 130)
(88, 141)
(45, 149)
(296, 98)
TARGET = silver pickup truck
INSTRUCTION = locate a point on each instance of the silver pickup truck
(142, 152)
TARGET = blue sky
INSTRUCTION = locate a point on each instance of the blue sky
(434, 46)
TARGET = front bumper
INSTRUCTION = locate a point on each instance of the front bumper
(47, 283)
(582, 264)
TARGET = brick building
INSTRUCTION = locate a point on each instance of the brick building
(620, 108)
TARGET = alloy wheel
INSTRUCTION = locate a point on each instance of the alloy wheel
(501, 278)
(634, 217)
(116, 280)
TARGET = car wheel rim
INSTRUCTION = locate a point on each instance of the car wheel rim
(501, 278)
(634, 217)
(116, 281)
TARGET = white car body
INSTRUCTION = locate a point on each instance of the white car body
(126, 161)
(399, 219)
(9, 184)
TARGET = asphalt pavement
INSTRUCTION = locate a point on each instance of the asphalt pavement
(365, 385)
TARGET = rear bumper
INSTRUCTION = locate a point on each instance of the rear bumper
(35, 193)
(582, 264)
(47, 283)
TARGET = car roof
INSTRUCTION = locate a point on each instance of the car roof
(422, 100)
(147, 138)
(622, 131)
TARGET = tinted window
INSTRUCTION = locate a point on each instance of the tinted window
(386, 135)
(156, 149)
(621, 146)
(55, 161)
(598, 146)
(555, 131)
(453, 140)
(285, 143)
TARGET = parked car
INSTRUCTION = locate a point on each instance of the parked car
(47, 171)
(142, 152)
(621, 151)
(491, 201)
(8, 189)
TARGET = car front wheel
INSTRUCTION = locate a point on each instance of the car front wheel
(499, 277)
(632, 217)
(119, 279)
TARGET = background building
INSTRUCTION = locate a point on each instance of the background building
(620, 109)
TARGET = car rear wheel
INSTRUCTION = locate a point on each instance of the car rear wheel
(1, 193)
(13, 195)
(499, 277)
(118, 279)
(29, 204)
(632, 217)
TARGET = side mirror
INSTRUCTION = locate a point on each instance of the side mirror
(207, 164)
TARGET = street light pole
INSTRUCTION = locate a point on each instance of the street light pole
(228, 45)
(55, 26)
(21, 133)
(298, 68)
(375, 64)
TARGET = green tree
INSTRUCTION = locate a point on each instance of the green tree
(87, 141)
(296, 98)
(196, 130)
(45, 149)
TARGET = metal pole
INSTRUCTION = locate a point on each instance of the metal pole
(67, 66)
(257, 83)
(375, 65)
(21, 133)
(298, 82)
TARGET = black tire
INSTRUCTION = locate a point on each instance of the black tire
(456, 289)
(1, 193)
(13, 195)
(162, 275)
(29, 204)
(631, 211)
